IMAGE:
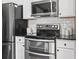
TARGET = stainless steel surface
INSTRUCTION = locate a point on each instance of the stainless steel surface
(48, 26)
(39, 53)
(41, 40)
(7, 51)
(48, 30)
(47, 7)
(34, 55)
(43, 1)
(8, 30)
(8, 12)
(40, 45)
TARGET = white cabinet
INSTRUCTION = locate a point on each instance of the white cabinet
(65, 49)
(65, 54)
(66, 8)
(19, 47)
(7, 1)
(20, 51)
(70, 44)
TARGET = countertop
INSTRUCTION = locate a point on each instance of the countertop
(71, 37)
(67, 38)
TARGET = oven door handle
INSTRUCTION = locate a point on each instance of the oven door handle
(41, 40)
(34, 53)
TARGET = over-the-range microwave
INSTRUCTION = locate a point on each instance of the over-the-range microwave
(45, 8)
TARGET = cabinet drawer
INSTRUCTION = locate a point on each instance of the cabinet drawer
(65, 43)
(19, 39)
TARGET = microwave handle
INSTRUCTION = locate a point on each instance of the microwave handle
(34, 53)
(41, 40)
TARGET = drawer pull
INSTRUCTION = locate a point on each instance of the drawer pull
(57, 49)
(65, 44)
(19, 39)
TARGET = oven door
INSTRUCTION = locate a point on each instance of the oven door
(41, 46)
(34, 55)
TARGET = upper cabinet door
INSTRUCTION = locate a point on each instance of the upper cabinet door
(66, 8)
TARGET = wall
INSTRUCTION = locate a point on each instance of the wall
(68, 23)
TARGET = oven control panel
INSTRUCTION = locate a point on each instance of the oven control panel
(47, 26)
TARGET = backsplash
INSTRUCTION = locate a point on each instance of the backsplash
(64, 23)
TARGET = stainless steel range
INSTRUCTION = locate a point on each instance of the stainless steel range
(42, 46)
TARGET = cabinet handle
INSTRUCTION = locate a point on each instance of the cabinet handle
(57, 49)
(19, 39)
(65, 44)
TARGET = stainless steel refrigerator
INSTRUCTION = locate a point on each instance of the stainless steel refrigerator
(10, 12)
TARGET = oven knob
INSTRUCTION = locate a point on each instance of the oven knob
(56, 26)
(52, 26)
(40, 26)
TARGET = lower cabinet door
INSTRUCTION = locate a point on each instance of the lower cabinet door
(20, 51)
(65, 53)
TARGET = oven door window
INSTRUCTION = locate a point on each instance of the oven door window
(41, 47)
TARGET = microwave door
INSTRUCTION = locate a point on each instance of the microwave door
(41, 8)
